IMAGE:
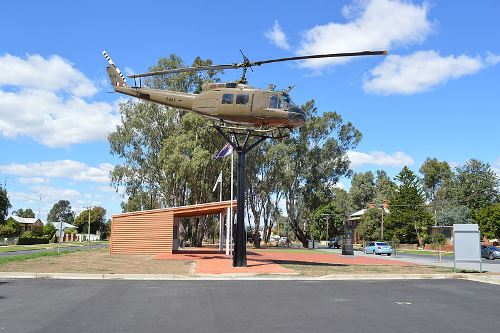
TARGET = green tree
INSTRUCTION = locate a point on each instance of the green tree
(28, 213)
(61, 211)
(409, 219)
(385, 188)
(49, 230)
(488, 219)
(312, 160)
(4, 204)
(476, 185)
(97, 220)
(318, 221)
(436, 174)
(10, 229)
(362, 189)
(451, 215)
(370, 224)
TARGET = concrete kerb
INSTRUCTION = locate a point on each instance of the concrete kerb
(491, 279)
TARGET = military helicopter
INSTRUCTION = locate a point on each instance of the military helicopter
(230, 103)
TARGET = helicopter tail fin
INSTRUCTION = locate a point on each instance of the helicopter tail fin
(115, 75)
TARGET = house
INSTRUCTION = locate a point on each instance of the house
(27, 223)
(355, 218)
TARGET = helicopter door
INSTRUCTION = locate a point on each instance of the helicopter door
(243, 103)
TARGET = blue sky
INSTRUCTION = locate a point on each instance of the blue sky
(435, 95)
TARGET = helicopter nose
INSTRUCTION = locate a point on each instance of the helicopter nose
(296, 116)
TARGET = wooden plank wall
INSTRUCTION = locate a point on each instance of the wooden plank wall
(147, 233)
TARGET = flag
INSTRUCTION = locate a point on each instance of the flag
(226, 151)
(219, 180)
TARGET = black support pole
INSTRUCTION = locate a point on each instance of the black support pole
(240, 235)
(240, 242)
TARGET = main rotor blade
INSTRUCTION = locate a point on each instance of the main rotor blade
(318, 56)
(184, 70)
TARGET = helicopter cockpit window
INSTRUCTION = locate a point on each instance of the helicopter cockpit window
(227, 99)
(287, 99)
(275, 102)
(242, 99)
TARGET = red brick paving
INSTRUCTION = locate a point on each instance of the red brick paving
(210, 261)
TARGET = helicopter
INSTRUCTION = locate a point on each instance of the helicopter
(230, 103)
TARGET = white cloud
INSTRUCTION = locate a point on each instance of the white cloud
(53, 73)
(49, 192)
(373, 25)
(380, 158)
(277, 36)
(32, 180)
(60, 169)
(44, 99)
(421, 71)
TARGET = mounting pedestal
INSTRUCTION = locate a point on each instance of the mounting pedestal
(240, 241)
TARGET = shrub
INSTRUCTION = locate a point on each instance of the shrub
(10, 229)
(7, 231)
(37, 231)
(32, 240)
(49, 231)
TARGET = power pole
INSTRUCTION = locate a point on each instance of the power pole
(382, 225)
(88, 239)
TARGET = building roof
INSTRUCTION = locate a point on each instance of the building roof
(357, 215)
(25, 220)
(64, 225)
(188, 211)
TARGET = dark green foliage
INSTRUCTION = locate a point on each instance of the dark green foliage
(61, 212)
(451, 215)
(488, 219)
(385, 188)
(10, 229)
(318, 220)
(28, 238)
(476, 185)
(28, 213)
(362, 190)
(370, 225)
(409, 219)
(97, 220)
(4, 205)
(49, 230)
(436, 174)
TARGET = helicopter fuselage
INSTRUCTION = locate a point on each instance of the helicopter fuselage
(231, 103)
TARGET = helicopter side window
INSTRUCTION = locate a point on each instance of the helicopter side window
(242, 99)
(275, 102)
(227, 99)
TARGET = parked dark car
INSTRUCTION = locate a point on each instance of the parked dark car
(335, 242)
(490, 252)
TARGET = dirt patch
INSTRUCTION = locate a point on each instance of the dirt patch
(99, 261)
(320, 269)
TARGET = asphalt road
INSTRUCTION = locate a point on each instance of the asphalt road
(62, 248)
(38, 305)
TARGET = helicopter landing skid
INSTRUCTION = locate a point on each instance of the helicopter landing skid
(266, 133)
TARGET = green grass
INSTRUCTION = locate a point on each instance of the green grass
(23, 257)
(425, 252)
(13, 248)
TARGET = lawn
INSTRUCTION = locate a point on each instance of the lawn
(425, 252)
(313, 269)
(14, 248)
(96, 261)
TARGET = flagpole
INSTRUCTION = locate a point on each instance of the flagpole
(221, 223)
(229, 233)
